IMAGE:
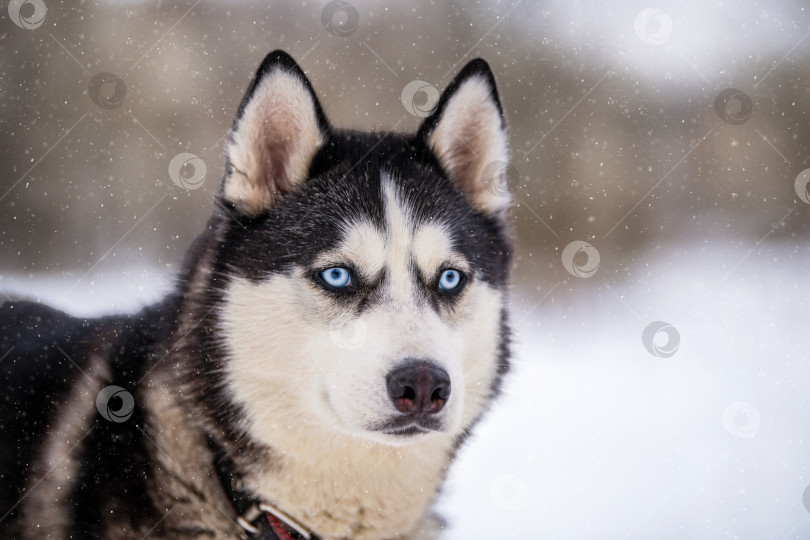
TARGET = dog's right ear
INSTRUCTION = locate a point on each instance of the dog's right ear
(277, 131)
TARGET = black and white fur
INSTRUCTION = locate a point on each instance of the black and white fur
(251, 355)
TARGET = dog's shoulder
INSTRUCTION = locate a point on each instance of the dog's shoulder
(31, 335)
(37, 346)
(46, 356)
(44, 350)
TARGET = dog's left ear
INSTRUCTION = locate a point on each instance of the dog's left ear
(277, 131)
(467, 133)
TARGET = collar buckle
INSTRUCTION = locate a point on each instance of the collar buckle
(250, 519)
(286, 519)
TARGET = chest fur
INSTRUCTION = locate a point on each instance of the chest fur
(354, 489)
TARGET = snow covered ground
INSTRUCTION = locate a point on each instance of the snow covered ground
(597, 438)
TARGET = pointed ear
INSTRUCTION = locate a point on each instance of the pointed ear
(467, 133)
(277, 131)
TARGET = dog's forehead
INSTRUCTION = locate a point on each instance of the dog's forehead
(395, 235)
(356, 205)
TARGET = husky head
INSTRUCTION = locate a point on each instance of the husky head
(362, 276)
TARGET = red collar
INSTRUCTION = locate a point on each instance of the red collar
(266, 522)
(261, 520)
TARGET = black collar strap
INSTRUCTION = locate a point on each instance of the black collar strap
(260, 520)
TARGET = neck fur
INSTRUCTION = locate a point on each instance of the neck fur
(345, 487)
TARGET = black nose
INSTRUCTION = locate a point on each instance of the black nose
(418, 388)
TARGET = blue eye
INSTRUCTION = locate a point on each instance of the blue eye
(337, 277)
(449, 280)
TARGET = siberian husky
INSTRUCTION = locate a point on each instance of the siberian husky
(336, 332)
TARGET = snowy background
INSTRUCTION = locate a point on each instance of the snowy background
(691, 210)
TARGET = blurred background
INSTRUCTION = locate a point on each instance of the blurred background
(659, 168)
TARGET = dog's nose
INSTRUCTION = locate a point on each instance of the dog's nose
(418, 388)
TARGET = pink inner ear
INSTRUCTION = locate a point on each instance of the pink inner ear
(470, 136)
(277, 178)
(274, 142)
